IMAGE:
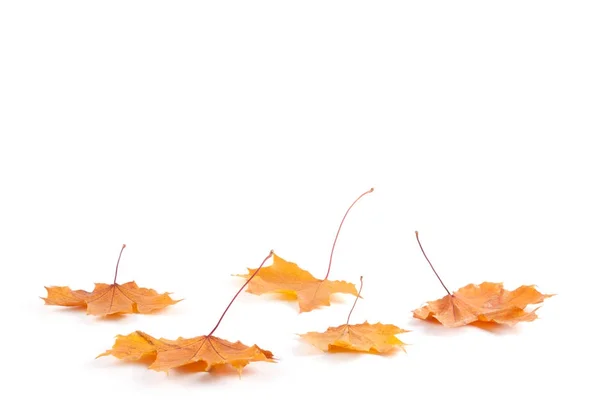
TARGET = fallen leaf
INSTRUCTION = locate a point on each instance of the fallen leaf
(288, 278)
(205, 351)
(202, 352)
(110, 299)
(375, 338)
(486, 302)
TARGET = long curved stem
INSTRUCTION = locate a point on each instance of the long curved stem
(117, 268)
(431, 265)
(239, 291)
(340, 228)
(355, 300)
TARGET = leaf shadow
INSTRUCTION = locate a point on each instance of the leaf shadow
(143, 361)
(197, 372)
(336, 357)
(192, 368)
(435, 328)
(340, 354)
(196, 369)
(496, 329)
(113, 317)
(225, 371)
(81, 311)
(391, 353)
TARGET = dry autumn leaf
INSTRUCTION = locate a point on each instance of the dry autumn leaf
(486, 302)
(201, 353)
(111, 299)
(375, 338)
(288, 278)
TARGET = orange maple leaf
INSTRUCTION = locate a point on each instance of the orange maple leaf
(288, 278)
(486, 302)
(375, 338)
(202, 353)
(105, 299)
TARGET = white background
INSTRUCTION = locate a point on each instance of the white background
(204, 134)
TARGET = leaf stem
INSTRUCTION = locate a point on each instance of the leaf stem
(340, 228)
(117, 268)
(431, 265)
(355, 300)
(239, 291)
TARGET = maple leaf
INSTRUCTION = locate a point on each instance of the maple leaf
(110, 299)
(288, 278)
(375, 338)
(204, 352)
(486, 302)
